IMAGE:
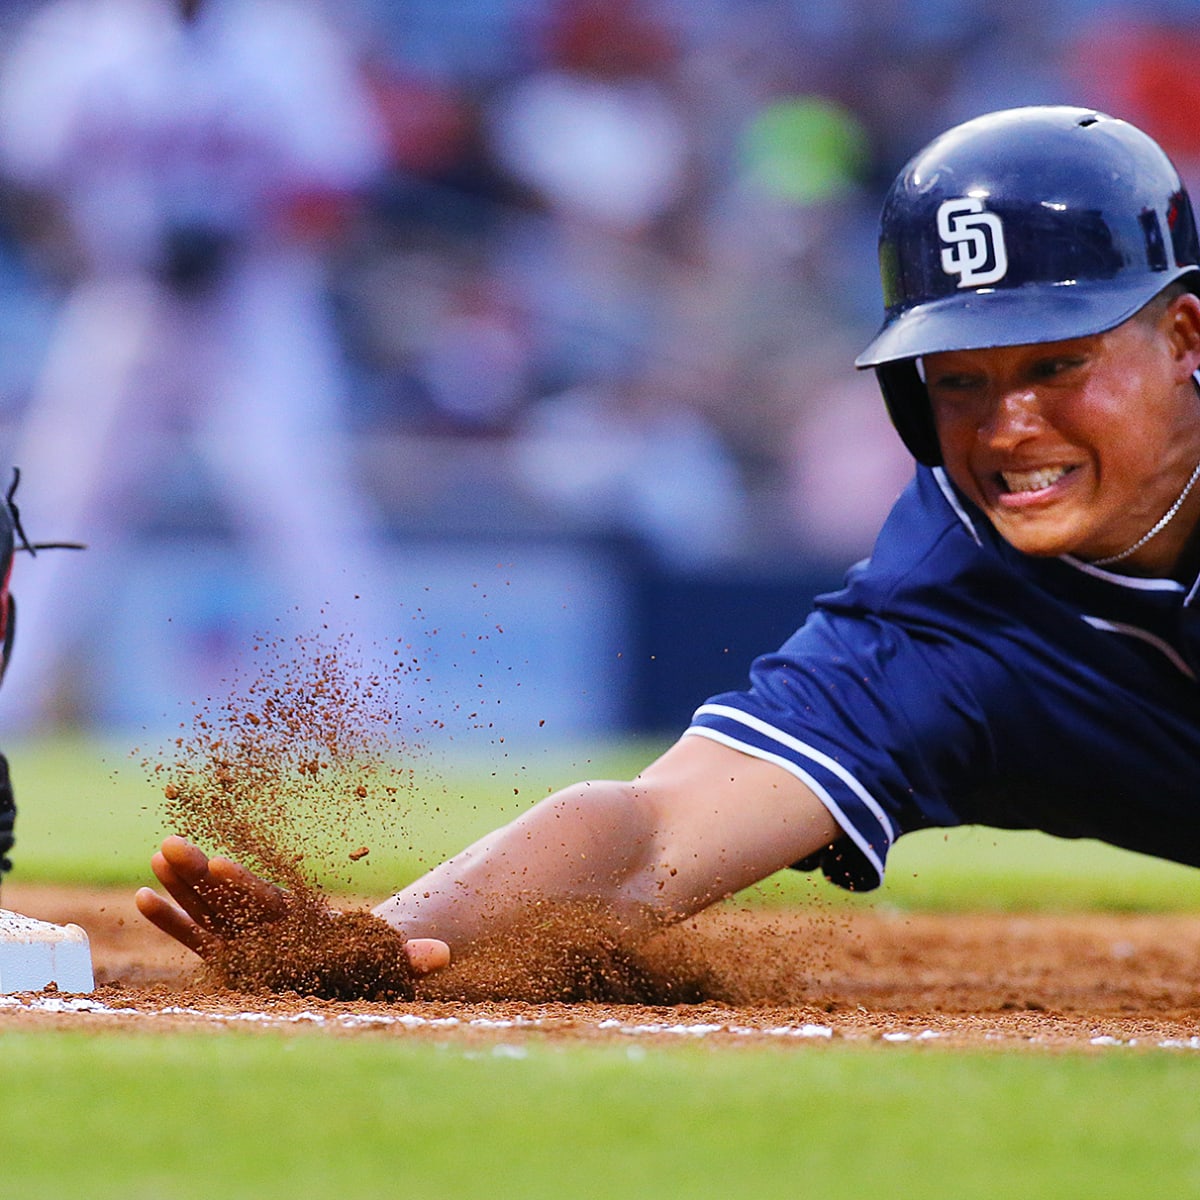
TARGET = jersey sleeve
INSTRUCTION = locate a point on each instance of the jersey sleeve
(859, 710)
(878, 702)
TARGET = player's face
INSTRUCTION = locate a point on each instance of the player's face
(1079, 447)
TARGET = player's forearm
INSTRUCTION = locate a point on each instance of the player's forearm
(699, 823)
(591, 842)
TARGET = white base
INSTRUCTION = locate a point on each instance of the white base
(34, 954)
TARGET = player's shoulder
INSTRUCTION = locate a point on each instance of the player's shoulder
(931, 536)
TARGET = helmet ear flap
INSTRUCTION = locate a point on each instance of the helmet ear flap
(907, 402)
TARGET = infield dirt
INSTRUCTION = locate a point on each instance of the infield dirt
(271, 776)
(995, 979)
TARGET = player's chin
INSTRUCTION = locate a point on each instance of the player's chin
(1038, 539)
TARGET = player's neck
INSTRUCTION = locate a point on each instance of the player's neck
(1170, 549)
(1175, 552)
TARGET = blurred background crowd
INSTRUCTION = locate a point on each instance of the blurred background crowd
(344, 313)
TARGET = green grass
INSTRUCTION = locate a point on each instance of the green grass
(1001, 870)
(90, 814)
(118, 1114)
(293, 1116)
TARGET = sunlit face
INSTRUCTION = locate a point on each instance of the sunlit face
(1079, 447)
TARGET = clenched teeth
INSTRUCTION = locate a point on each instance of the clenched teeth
(1032, 481)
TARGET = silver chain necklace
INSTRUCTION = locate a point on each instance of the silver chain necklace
(1162, 523)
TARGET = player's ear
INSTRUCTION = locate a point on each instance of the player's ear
(1181, 323)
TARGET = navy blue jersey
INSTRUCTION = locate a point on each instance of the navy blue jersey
(955, 680)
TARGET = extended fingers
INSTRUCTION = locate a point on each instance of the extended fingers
(257, 899)
(179, 880)
(174, 922)
(219, 895)
(188, 861)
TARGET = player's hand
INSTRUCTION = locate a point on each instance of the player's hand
(216, 897)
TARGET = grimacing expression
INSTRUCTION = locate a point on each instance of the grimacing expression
(1078, 447)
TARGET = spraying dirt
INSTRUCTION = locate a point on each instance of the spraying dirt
(271, 778)
(277, 775)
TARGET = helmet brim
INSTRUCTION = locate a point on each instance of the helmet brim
(1029, 315)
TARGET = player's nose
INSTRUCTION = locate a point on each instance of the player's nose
(1012, 415)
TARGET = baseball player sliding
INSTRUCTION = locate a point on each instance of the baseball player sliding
(1020, 650)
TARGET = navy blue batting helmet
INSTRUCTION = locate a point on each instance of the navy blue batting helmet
(1028, 225)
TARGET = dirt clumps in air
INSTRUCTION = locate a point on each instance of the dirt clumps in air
(271, 778)
(281, 776)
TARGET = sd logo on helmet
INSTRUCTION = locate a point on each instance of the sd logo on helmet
(1024, 226)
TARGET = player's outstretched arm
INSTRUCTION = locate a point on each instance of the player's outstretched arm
(701, 822)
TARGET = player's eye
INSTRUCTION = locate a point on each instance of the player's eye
(1052, 368)
(950, 383)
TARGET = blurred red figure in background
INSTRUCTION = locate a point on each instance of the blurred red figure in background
(198, 158)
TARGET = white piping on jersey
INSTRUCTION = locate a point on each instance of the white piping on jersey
(818, 756)
(847, 825)
(943, 481)
(1165, 648)
(1129, 581)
